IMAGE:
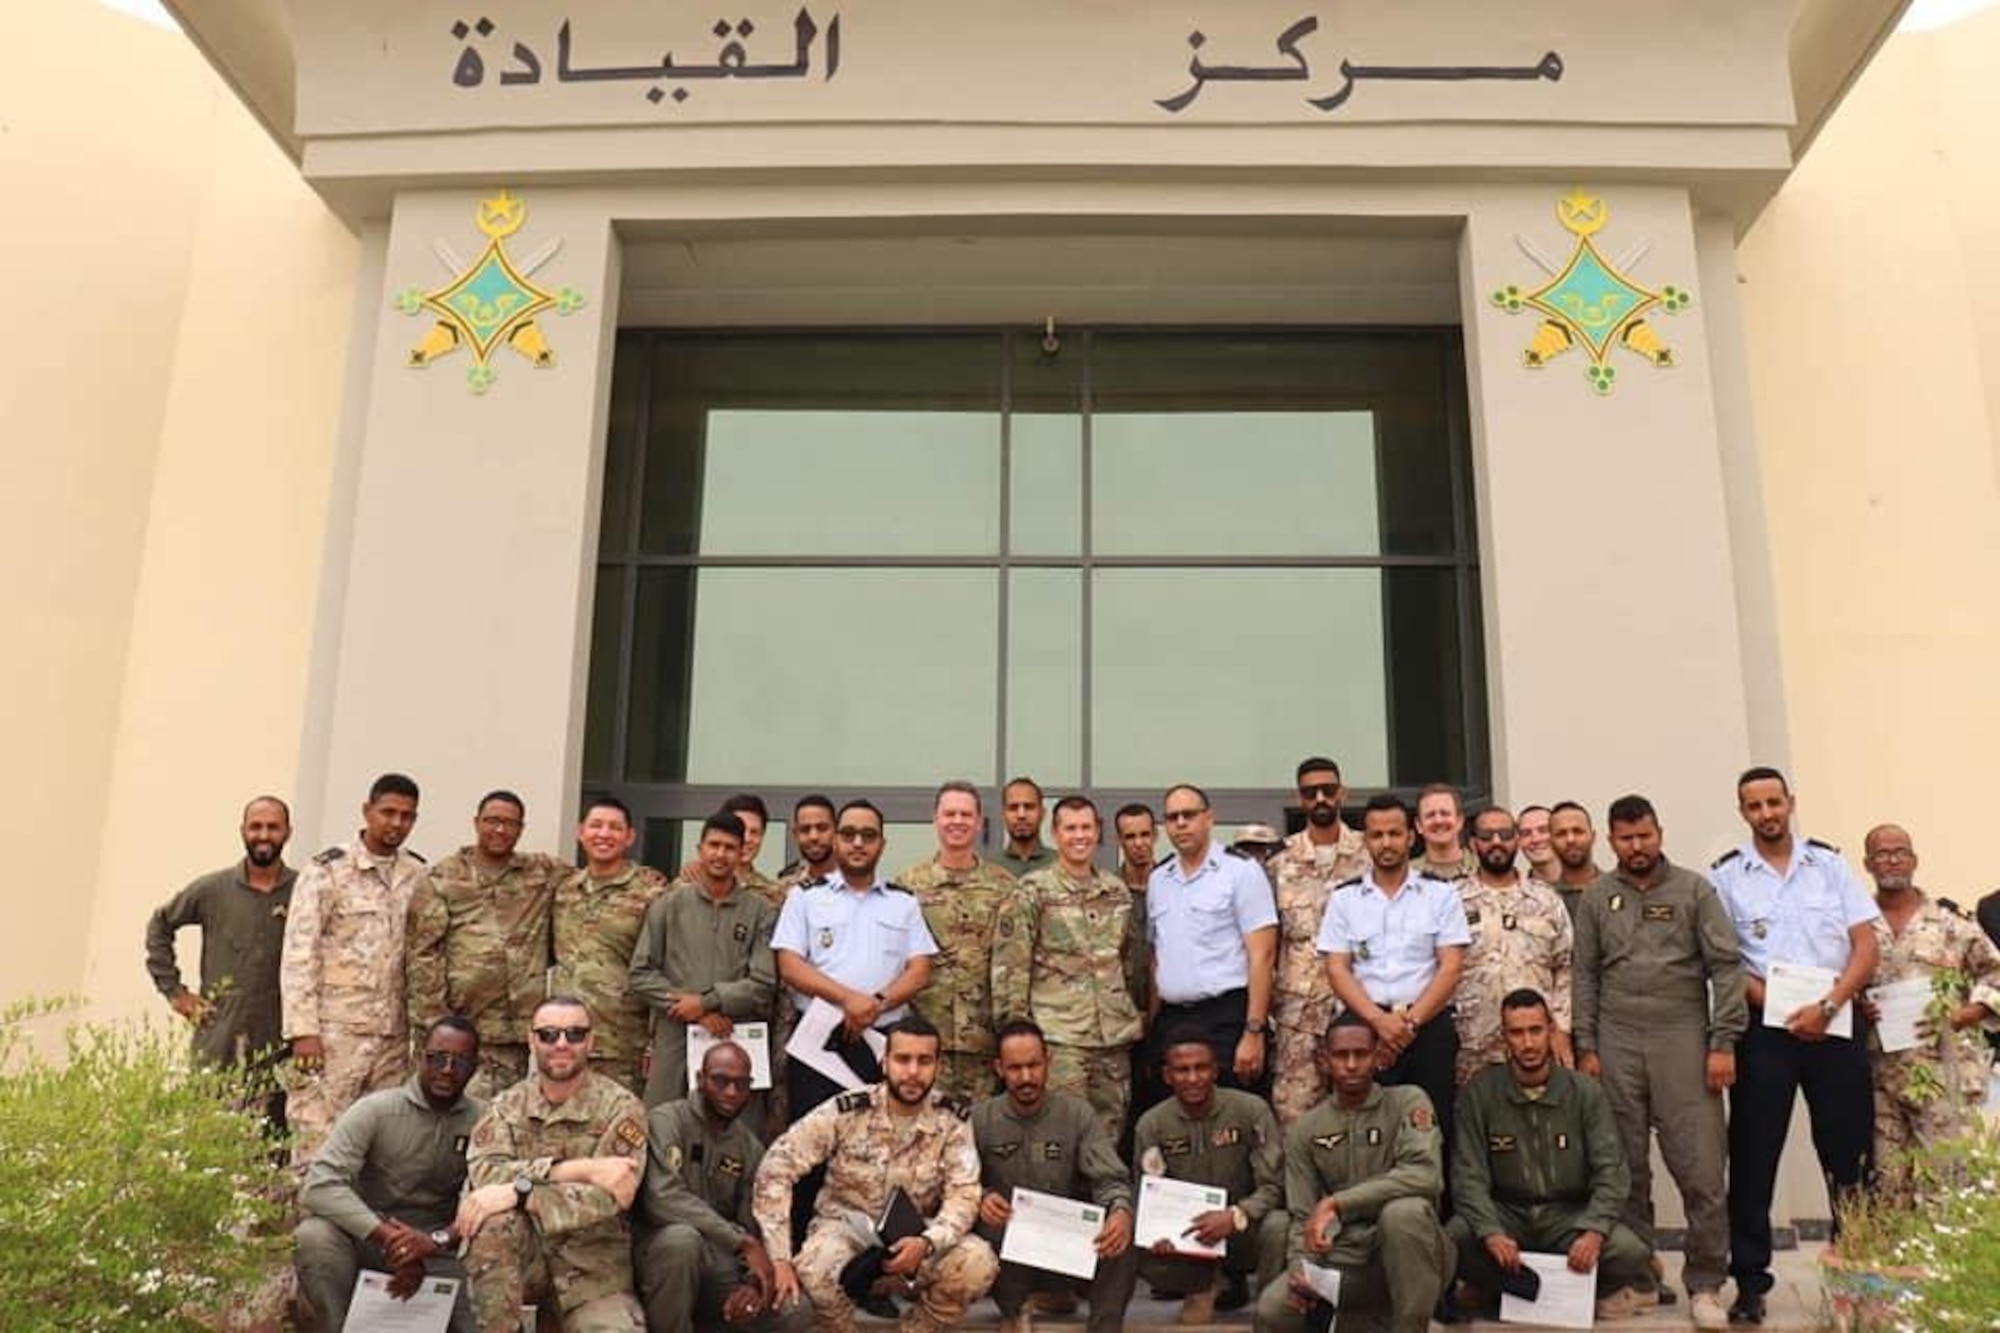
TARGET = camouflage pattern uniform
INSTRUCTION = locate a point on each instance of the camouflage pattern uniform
(869, 1150)
(479, 946)
(1384, 1162)
(770, 890)
(594, 929)
(1521, 936)
(341, 978)
(1465, 867)
(1936, 939)
(969, 913)
(572, 1249)
(1303, 874)
(1071, 964)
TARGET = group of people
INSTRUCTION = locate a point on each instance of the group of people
(1405, 1053)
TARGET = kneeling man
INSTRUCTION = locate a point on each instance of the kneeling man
(1539, 1167)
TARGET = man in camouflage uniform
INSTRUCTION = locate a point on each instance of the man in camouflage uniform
(967, 902)
(1229, 1139)
(382, 1192)
(1441, 826)
(1539, 1168)
(704, 958)
(1521, 936)
(1921, 937)
(554, 1166)
(1036, 1139)
(1363, 1173)
(1324, 853)
(479, 939)
(236, 1016)
(341, 975)
(895, 1135)
(598, 913)
(1071, 963)
(698, 1254)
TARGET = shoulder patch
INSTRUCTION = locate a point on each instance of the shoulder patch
(1421, 1117)
(631, 1131)
(851, 1101)
(1152, 1162)
(671, 1155)
(329, 856)
(1823, 846)
(1725, 858)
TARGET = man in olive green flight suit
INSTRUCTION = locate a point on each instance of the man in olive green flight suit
(696, 1255)
(1363, 1173)
(1539, 1168)
(1220, 1137)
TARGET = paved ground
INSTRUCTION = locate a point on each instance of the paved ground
(1794, 1305)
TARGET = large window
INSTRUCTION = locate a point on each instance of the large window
(863, 563)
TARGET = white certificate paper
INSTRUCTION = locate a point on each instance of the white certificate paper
(1902, 1005)
(374, 1310)
(1790, 987)
(1167, 1208)
(1325, 1282)
(1053, 1233)
(808, 1044)
(752, 1037)
(1567, 1299)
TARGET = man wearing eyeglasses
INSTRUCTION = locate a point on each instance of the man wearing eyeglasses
(1521, 939)
(856, 941)
(1322, 854)
(381, 1192)
(698, 1251)
(1214, 931)
(554, 1166)
(478, 939)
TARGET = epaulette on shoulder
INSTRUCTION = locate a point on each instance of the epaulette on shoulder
(1348, 883)
(1231, 851)
(418, 857)
(958, 1106)
(891, 886)
(329, 856)
(1952, 907)
(849, 1102)
(1725, 858)
(1823, 846)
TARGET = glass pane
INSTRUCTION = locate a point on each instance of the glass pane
(1046, 485)
(1233, 483)
(1045, 675)
(829, 674)
(1225, 677)
(1429, 719)
(850, 483)
(621, 446)
(607, 623)
(824, 444)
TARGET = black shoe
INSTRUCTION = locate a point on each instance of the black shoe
(881, 1307)
(1747, 1309)
(1235, 1293)
(1668, 1296)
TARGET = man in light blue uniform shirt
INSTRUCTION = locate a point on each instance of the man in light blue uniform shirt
(1793, 901)
(1213, 924)
(856, 941)
(1395, 940)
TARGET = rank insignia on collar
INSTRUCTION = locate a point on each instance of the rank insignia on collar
(1374, 1136)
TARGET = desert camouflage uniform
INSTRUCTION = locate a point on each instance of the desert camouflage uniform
(479, 947)
(341, 979)
(969, 913)
(1521, 936)
(573, 1248)
(1303, 874)
(1072, 964)
(1465, 867)
(869, 1150)
(594, 929)
(1936, 939)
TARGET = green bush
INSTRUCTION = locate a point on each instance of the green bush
(136, 1195)
(1937, 1255)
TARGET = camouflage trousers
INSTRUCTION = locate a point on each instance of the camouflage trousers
(354, 1066)
(1100, 1075)
(501, 1066)
(510, 1266)
(1297, 1085)
(1904, 1122)
(1476, 1051)
(967, 1074)
(947, 1284)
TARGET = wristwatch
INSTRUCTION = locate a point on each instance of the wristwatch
(1827, 1008)
(443, 1239)
(1239, 1218)
(524, 1189)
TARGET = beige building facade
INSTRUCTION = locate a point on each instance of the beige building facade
(266, 551)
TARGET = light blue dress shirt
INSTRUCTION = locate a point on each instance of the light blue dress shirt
(1392, 943)
(1197, 923)
(862, 940)
(1802, 916)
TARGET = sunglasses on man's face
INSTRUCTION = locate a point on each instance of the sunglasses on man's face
(550, 1036)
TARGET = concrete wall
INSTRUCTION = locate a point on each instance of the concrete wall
(178, 309)
(1871, 297)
